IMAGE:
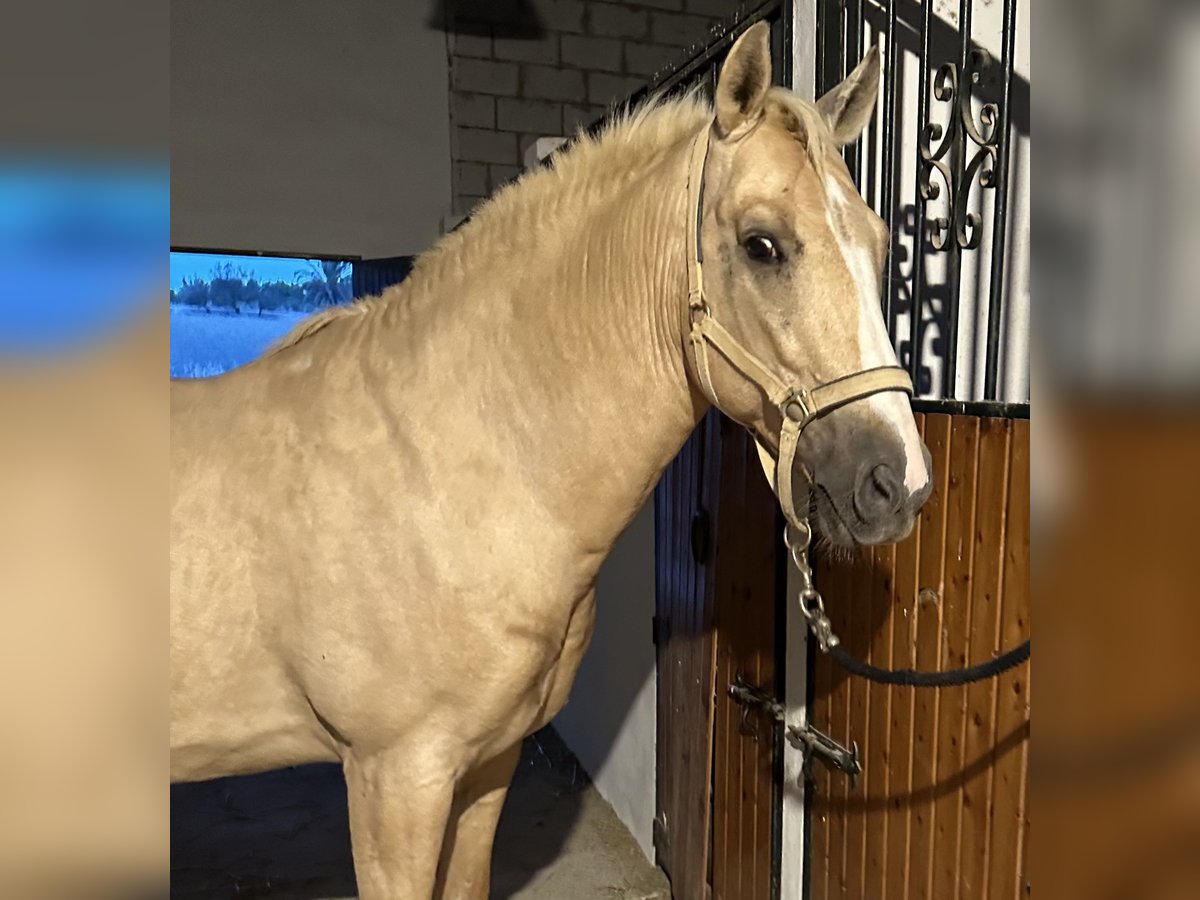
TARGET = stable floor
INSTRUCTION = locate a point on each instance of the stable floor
(283, 836)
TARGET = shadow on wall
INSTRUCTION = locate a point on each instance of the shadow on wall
(512, 19)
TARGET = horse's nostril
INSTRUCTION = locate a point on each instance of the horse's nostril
(879, 480)
(880, 493)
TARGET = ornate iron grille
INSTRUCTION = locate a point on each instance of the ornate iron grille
(955, 293)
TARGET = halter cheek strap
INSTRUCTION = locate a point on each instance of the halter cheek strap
(798, 406)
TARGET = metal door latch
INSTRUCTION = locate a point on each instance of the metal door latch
(808, 740)
(813, 743)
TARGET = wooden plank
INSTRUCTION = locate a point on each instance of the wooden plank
(1008, 823)
(686, 671)
(832, 687)
(858, 641)
(672, 659)
(726, 759)
(957, 620)
(947, 815)
(700, 691)
(725, 779)
(839, 729)
(903, 704)
(877, 761)
(986, 592)
(744, 574)
(666, 581)
(928, 656)
(760, 597)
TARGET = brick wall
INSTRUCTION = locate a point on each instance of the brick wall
(535, 68)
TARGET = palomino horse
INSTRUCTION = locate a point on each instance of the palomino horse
(386, 533)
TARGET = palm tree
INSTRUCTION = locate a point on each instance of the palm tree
(326, 281)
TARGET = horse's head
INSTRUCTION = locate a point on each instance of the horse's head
(792, 264)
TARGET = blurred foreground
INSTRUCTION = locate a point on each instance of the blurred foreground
(83, 590)
(83, 449)
(1116, 465)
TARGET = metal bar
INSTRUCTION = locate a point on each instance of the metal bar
(887, 200)
(829, 14)
(914, 360)
(843, 38)
(1000, 210)
(730, 29)
(822, 32)
(958, 162)
(784, 52)
(986, 408)
(285, 254)
(856, 148)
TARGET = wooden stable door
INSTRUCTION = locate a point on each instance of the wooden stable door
(940, 809)
(719, 571)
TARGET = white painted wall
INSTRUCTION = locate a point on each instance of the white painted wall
(304, 126)
(609, 722)
(795, 668)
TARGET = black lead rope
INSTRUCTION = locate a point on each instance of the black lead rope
(948, 678)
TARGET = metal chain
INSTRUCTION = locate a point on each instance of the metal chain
(797, 536)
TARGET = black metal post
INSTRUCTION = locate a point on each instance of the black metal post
(957, 165)
(852, 59)
(887, 200)
(1000, 208)
(917, 293)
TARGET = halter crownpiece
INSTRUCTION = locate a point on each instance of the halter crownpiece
(798, 406)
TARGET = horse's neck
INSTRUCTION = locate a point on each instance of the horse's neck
(598, 377)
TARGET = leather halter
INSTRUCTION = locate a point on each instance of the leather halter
(798, 406)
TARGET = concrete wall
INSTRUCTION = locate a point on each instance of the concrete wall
(306, 126)
(609, 722)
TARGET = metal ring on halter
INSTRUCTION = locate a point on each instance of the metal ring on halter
(796, 407)
(807, 532)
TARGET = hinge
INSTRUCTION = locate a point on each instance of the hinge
(661, 841)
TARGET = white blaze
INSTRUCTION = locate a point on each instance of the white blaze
(877, 350)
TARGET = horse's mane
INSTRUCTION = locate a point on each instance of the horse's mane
(586, 168)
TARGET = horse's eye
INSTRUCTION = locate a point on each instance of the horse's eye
(761, 248)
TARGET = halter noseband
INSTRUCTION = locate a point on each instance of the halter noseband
(798, 406)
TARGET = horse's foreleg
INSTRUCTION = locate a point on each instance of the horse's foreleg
(399, 806)
(465, 869)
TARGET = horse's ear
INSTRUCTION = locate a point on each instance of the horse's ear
(745, 78)
(849, 106)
